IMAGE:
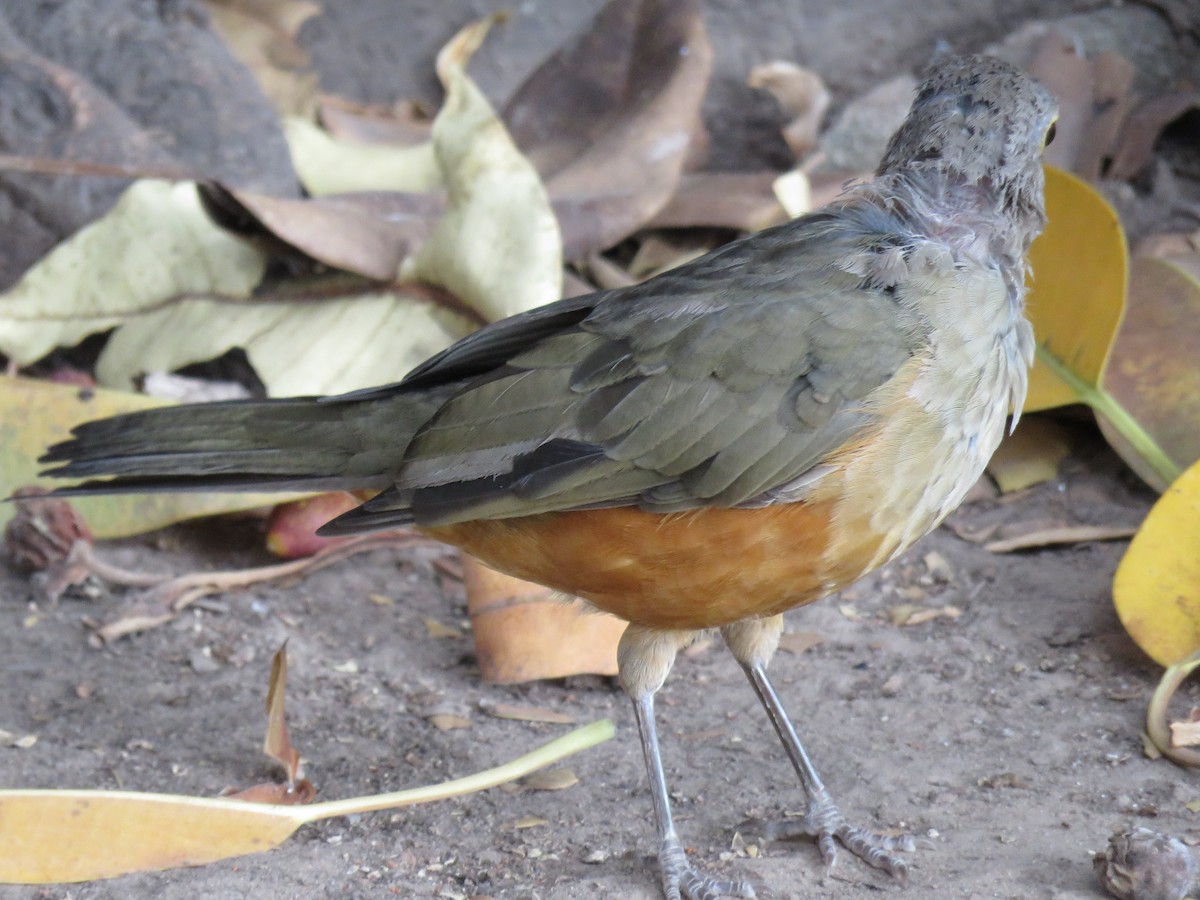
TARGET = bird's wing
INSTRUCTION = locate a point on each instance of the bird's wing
(720, 383)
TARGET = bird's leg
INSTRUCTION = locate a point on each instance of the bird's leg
(753, 642)
(644, 658)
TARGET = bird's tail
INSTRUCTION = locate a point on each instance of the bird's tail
(340, 443)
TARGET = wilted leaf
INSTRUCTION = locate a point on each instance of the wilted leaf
(277, 744)
(262, 35)
(797, 642)
(69, 836)
(35, 414)
(1056, 537)
(1157, 585)
(526, 713)
(326, 165)
(1155, 367)
(1030, 455)
(156, 243)
(608, 119)
(1143, 128)
(744, 201)
(497, 247)
(439, 631)
(524, 631)
(403, 123)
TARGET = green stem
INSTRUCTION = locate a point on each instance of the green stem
(1104, 404)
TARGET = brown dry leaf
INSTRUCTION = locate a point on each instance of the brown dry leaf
(448, 721)
(1094, 98)
(1185, 734)
(524, 631)
(556, 779)
(368, 233)
(797, 642)
(262, 35)
(530, 822)
(277, 744)
(404, 123)
(297, 794)
(1142, 129)
(744, 201)
(609, 118)
(1030, 455)
(1056, 537)
(438, 631)
(526, 713)
(1155, 368)
(803, 97)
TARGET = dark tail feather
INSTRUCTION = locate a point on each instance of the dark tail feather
(244, 445)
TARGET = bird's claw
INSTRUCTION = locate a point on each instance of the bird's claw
(682, 881)
(825, 822)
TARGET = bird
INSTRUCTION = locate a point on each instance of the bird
(741, 435)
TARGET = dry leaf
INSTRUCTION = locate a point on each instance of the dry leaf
(448, 721)
(299, 793)
(369, 233)
(797, 642)
(530, 822)
(1030, 455)
(525, 713)
(524, 631)
(438, 631)
(1143, 128)
(1153, 371)
(277, 744)
(1157, 585)
(556, 779)
(608, 120)
(403, 123)
(1055, 537)
(1185, 734)
(744, 201)
(262, 35)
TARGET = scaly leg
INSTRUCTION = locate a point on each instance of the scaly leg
(644, 659)
(753, 642)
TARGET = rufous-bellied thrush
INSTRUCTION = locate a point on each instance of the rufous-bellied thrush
(738, 436)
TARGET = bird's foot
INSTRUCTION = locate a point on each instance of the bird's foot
(682, 880)
(824, 821)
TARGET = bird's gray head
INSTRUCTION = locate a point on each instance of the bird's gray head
(980, 121)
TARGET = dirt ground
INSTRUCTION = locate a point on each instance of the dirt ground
(1008, 736)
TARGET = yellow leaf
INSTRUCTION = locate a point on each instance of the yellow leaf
(50, 837)
(1077, 291)
(1030, 455)
(1157, 586)
(35, 414)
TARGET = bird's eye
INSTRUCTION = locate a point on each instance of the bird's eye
(1050, 133)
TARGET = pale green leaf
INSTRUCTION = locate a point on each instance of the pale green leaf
(327, 165)
(155, 244)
